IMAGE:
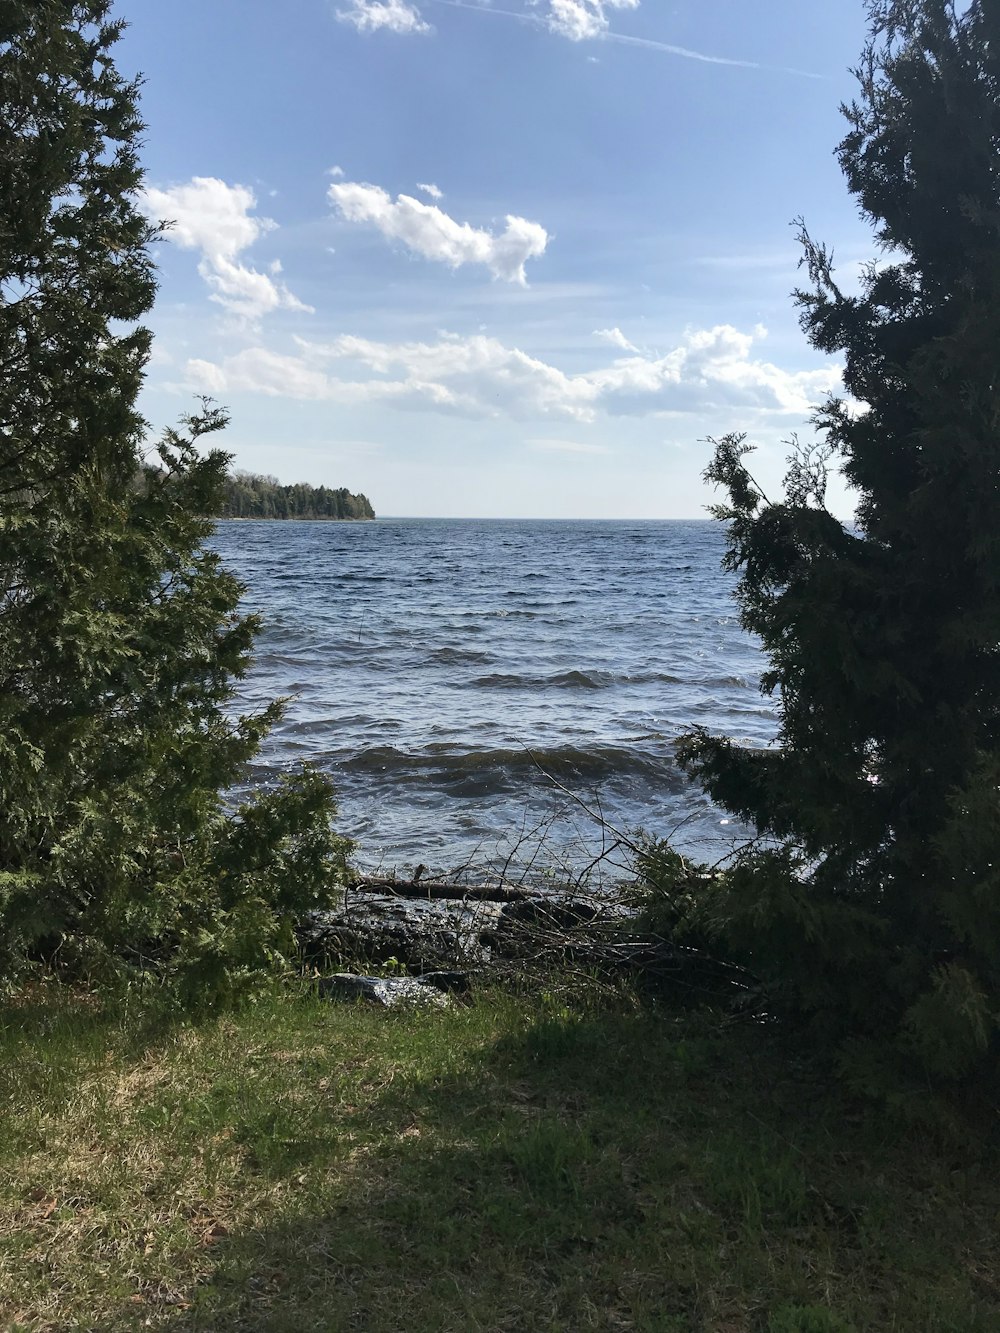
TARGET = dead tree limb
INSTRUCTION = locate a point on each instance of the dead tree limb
(431, 889)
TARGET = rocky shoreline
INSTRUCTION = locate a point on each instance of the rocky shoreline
(425, 926)
(427, 939)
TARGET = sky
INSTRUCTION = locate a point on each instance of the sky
(520, 259)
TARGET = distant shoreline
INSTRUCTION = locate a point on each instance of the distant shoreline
(290, 518)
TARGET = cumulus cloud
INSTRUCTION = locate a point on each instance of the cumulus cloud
(477, 376)
(472, 377)
(262, 371)
(217, 219)
(429, 231)
(430, 190)
(616, 338)
(712, 368)
(392, 15)
(580, 20)
(712, 372)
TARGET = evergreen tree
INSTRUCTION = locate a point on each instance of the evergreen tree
(871, 900)
(248, 495)
(120, 639)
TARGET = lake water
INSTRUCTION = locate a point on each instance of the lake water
(448, 673)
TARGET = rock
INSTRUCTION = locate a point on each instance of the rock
(522, 928)
(550, 913)
(385, 991)
(380, 932)
(454, 983)
(430, 936)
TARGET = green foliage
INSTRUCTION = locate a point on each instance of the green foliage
(249, 495)
(120, 638)
(870, 901)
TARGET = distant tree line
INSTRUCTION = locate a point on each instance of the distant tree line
(252, 495)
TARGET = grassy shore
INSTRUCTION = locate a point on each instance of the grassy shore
(515, 1164)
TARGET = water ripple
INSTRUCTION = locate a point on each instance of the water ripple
(427, 658)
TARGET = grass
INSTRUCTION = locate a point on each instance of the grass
(517, 1164)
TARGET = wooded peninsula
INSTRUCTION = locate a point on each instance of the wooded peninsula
(253, 495)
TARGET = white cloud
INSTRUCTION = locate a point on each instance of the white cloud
(208, 215)
(336, 172)
(429, 231)
(430, 190)
(577, 20)
(584, 20)
(392, 15)
(712, 374)
(477, 376)
(257, 369)
(712, 368)
(580, 20)
(616, 338)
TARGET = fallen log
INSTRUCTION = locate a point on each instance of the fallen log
(429, 888)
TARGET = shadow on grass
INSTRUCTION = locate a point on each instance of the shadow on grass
(70, 1026)
(603, 1171)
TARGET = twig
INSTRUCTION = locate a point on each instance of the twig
(623, 838)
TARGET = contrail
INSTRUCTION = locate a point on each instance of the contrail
(687, 54)
(623, 40)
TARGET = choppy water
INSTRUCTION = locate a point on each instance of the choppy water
(440, 669)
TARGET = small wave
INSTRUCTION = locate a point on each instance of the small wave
(502, 682)
(494, 769)
(318, 727)
(579, 680)
(652, 678)
(285, 663)
(351, 576)
(447, 656)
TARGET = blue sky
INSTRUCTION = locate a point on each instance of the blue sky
(494, 260)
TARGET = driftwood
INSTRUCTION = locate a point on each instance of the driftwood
(429, 888)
